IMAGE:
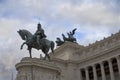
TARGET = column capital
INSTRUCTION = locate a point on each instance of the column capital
(109, 60)
(94, 65)
(86, 67)
(101, 63)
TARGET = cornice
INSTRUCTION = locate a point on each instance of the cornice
(102, 53)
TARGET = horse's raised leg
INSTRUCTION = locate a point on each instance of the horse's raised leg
(22, 45)
(30, 52)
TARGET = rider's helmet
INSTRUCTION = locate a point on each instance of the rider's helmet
(39, 26)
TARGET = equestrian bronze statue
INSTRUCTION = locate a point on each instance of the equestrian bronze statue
(37, 41)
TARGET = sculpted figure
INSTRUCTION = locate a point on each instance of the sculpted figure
(70, 37)
(70, 34)
(59, 41)
(39, 34)
(37, 41)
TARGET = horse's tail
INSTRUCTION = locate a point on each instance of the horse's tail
(52, 46)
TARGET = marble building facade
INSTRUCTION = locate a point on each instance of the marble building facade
(71, 61)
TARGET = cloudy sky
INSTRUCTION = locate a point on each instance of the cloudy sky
(94, 20)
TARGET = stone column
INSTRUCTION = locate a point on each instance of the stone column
(118, 63)
(87, 73)
(94, 72)
(102, 71)
(81, 78)
(111, 70)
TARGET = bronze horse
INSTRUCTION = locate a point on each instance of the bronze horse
(30, 41)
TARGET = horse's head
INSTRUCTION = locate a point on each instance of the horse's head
(25, 34)
(21, 33)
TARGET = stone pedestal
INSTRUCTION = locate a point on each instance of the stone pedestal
(36, 69)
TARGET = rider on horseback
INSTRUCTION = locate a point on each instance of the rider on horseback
(32, 41)
(39, 34)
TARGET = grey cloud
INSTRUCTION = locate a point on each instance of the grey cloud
(92, 14)
(96, 13)
(112, 5)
